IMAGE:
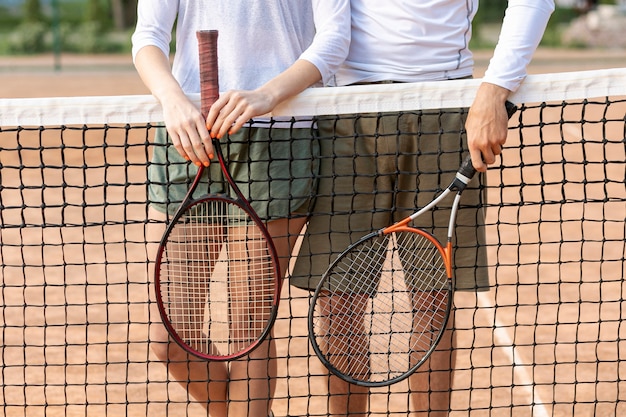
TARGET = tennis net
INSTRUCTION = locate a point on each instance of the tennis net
(546, 339)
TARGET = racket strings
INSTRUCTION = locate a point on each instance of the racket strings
(217, 278)
(383, 308)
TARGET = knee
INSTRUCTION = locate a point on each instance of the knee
(163, 347)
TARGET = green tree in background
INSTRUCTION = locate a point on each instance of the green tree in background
(491, 10)
(29, 36)
(94, 26)
(32, 11)
(489, 15)
(76, 26)
(96, 13)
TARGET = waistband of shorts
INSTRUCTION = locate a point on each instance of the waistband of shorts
(402, 82)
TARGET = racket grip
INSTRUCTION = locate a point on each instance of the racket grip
(467, 169)
(209, 82)
(510, 108)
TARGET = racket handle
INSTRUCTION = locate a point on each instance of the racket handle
(209, 83)
(510, 108)
(467, 171)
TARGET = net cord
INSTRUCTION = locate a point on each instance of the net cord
(129, 109)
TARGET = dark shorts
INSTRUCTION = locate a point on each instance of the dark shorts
(378, 168)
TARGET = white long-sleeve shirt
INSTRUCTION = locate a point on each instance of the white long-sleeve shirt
(257, 39)
(428, 40)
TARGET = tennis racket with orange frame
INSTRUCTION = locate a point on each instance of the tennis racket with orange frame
(381, 308)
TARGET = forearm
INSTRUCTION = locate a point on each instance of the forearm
(234, 108)
(183, 120)
(155, 72)
(301, 75)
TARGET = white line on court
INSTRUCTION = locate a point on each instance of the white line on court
(504, 341)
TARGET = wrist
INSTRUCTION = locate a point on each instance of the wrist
(271, 93)
(493, 91)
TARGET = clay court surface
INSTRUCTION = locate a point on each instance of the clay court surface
(497, 382)
(113, 75)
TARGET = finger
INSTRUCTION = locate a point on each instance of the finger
(176, 142)
(186, 149)
(207, 142)
(209, 149)
(489, 156)
(213, 114)
(188, 143)
(215, 117)
(240, 122)
(477, 160)
(225, 120)
(227, 123)
(234, 120)
(183, 145)
(199, 136)
(208, 146)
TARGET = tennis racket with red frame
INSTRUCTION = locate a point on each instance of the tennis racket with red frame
(382, 306)
(217, 276)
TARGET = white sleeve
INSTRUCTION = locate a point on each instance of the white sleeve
(154, 25)
(522, 29)
(332, 39)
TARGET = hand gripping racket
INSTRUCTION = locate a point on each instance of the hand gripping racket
(383, 305)
(217, 276)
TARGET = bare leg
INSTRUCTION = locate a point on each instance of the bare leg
(191, 372)
(346, 399)
(285, 233)
(430, 385)
(250, 295)
(253, 381)
(246, 389)
(253, 378)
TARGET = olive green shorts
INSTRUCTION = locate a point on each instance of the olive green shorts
(275, 168)
(377, 169)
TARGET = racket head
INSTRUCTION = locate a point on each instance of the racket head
(382, 307)
(208, 301)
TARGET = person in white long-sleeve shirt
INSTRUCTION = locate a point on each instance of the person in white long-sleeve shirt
(267, 51)
(412, 41)
(367, 183)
